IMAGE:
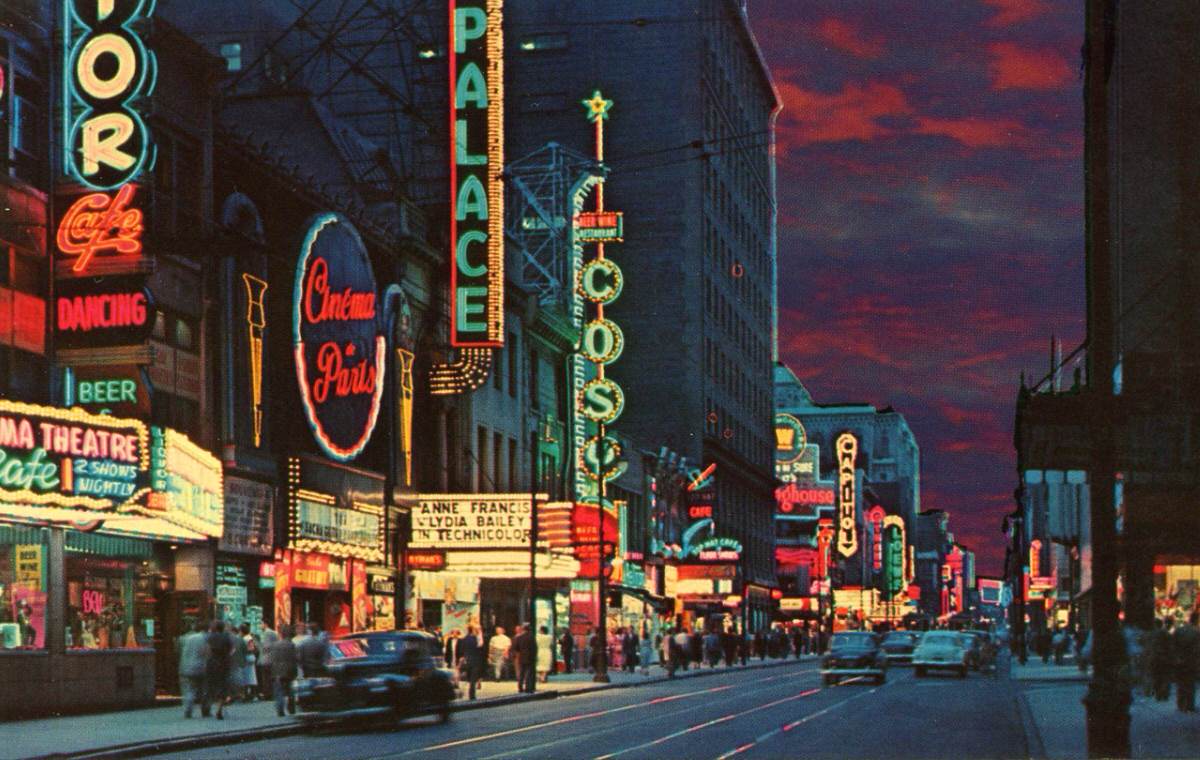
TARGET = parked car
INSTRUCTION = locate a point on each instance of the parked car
(394, 671)
(941, 650)
(854, 653)
(898, 646)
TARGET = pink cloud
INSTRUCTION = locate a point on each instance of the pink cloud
(843, 36)
(1012, 12)
(1013, 67)
(978, 131)
(811, 116)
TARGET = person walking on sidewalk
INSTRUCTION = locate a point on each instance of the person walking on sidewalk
(1186, 648)
(193, 665)
(566, 645)
(473, 657)
(313, 652)
(712, 648)
(249, 675)
(498, 648)
(629, 651)
(218, 672)
(667, 653)
(646, 652)
(729, 647)
(1160, 660)
(266, 637)
(284, 669)
(523, 657)
(545, 654)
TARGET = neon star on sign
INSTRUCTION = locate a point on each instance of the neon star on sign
(597, 106)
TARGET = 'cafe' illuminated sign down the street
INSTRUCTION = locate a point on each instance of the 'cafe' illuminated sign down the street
(340, 353)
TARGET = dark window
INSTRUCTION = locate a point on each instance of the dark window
(512, 465)
(513, 364)
(535, 401)
(497, 461)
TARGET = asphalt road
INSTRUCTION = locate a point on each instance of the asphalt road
(778, 712)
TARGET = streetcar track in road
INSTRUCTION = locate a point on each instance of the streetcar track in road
(581, 716)
(794, 724)
(709, 724)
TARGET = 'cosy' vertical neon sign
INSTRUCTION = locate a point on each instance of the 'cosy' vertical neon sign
(108, 68)
(476, 161)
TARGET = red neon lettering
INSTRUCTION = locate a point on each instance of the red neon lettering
(320, 305)
(341, 380)
(92, 602)
(99, 222)
(87, 313)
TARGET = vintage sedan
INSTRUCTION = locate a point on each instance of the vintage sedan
(942, 650)
(854, 653)
(898, 646)
(396, 672)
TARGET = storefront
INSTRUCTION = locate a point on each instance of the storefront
(101, 518)
(336, 527)
(244, 572)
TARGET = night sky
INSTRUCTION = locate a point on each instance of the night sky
(930, 220)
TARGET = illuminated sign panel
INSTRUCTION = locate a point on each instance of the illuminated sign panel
(717, 549)
(790, 438)
(340, 354)
(600, 226)
(102, 312)
(117, 390)
(256, 324)
(472, 521)
(424, 559)
(476, 163)
(108, 69)
(335, 510)
(797, 499)
(100, 233)
(876, 515)
(187, 482)
(846, 450)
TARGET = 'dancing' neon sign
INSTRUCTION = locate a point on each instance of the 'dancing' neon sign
(108, 68)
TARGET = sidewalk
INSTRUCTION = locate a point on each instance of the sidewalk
(1057, 722)
(1035, 670)
(163, 729)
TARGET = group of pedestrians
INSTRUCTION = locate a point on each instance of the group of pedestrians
(682, 649)
(219, 666)
(1171, 653)
(501, 655)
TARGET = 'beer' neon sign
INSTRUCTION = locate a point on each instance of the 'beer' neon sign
(476, 162)
(107, 69)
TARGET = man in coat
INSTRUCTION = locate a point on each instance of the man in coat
(312, 652)
(217, 674)
(566, 645)
(451, 649)
(524, 656)
(473, 657)
(1186, 648)
(266, 637)
(284, 668)
(629, 650)
(193, 665)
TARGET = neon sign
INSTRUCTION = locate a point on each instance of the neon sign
(477, 160)
(102, 312)
(717, 549)
(790, 438)
(600, 226)
(256, 323)
(100, 223)
(187, 482)
(339, 352)
(790, 497)
(600, 458)
(601, 400)
(876, 515)
(108, 68)
(847, 451)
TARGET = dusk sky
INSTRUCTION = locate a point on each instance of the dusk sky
(930, 220)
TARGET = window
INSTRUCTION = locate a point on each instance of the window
(497, 462)
(232, 53)
(542, 42)
(481, 459)
(513, 364)
(23, 555)
(535, 401)
(513, 479)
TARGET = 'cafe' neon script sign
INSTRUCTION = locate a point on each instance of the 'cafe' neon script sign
(340, 354)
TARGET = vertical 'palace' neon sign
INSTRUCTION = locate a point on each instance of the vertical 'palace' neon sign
(108, 68)
(847, 452)
(476, 161)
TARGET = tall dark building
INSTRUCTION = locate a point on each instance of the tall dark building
(688, 149)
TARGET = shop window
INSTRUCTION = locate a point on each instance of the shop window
(23, 556)
(110, 602)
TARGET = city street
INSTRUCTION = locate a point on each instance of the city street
(781, 712)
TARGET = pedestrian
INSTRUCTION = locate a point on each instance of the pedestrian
(799, 646)
(1161, 661)
(696, 647)
(667, 653)
(596, 652)
(545, 654)
(218, 672)
(760, 645)
(473, 658)
(683, 644)
(313, 652)
(566, 645)
(729, 647)
(249, 679)
(712, 648)
(646, 652)
(1185, 646)
(193, 666)
(498, 647)
(629, 651)
(524, 658)
(450, 652)
(284, 669)
(266, 637)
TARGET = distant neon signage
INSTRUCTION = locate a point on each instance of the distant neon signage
(600, 226)
(876, 515)
(600, 458)
(717, 549)
(791, 497)
(601, 400)
(476, 162)
(846, 450)
(108, 68)
(102, 312)
(256, 324)
(101, 226)
(790, 438)
(340, 354)
(187, 482)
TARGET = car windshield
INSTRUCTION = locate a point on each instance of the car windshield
(938, 638)
(899, 638)
(853, 640)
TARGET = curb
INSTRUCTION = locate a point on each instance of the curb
(202, 741)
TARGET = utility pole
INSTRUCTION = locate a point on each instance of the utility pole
(1108, 697)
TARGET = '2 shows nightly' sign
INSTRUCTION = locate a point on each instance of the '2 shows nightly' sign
(476, 162)
(69, 458)
(339, 352)
(107, 70)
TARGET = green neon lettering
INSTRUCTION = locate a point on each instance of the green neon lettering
(461, 156)
(18, 474)
(466, 309)
(469, 24)
(460, 253)
(472, 87)
(472, 199)
(601, 400)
